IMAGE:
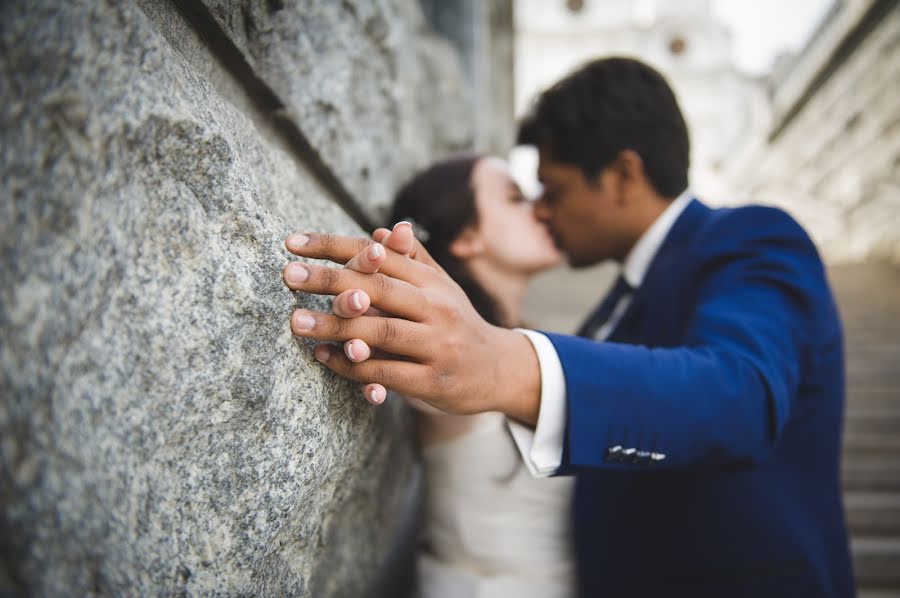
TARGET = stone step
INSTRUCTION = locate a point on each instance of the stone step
(872, 434)
(861, 395)
(876, 562)
(872, 442)
(870, 472)
(865, 378)
(885, 420)
(872, 362)
(873, 513)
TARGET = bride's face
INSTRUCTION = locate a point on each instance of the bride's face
(510, 235)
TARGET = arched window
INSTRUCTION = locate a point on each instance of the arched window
(677, 45)
(575, 6)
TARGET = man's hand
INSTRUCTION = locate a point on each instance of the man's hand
(430, 341)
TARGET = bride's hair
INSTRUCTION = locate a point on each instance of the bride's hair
(440, 201)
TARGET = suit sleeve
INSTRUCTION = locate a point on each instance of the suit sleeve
(723, 396)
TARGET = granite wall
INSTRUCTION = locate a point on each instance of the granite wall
(162, 431)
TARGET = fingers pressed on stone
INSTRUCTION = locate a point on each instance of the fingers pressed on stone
(295, 242)
(344, 249)
(357, 350)
(401, 376)
(336, 248)
(394, 335)
(387, 293)
(351, 304)
(375, 393)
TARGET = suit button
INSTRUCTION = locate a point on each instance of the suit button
(657, 457)
(614, 453)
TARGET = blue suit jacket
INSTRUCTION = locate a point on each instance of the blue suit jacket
(729, 361)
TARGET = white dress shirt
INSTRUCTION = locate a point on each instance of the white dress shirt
(542, 447)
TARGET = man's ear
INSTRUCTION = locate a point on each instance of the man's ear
(467, 245)
(629, 174)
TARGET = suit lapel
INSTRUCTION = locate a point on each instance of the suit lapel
(661, 268)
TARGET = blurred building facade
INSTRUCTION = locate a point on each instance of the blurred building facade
(829, 151)
(684, 40)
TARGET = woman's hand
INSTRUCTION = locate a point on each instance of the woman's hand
(429, 341)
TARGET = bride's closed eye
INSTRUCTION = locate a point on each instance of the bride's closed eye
(515, 194)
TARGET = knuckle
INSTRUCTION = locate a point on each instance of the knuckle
(326, 243)
(387, 331)
(329, 278)
(429, 301)
(441, 377)
(384, 286)
(451, 345)
(442, 381)
(446, 311)
(340, 327)
(383, 375)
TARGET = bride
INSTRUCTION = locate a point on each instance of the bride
(490, 528)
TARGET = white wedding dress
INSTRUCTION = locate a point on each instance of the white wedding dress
(491, 529)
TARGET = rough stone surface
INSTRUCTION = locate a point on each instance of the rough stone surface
(379, 94)
(162, 431)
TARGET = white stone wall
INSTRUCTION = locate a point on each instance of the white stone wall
(835, 164)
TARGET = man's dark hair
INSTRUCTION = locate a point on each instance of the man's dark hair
(609, 105)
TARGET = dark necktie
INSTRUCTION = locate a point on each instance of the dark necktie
(605, 310)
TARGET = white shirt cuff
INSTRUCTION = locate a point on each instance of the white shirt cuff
(542, 448)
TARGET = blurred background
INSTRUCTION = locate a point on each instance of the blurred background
(793, 104)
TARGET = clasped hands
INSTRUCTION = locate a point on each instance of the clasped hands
(407, 326)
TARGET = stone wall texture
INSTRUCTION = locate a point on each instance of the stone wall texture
(833, 155)
(162, 431)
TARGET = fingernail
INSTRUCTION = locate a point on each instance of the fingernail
(322, 353)
(375, 251)
(403, 222)
(297, 240)
(355, 301)
(373, 396)
(348, 349)
(296, 273)
(304, 322)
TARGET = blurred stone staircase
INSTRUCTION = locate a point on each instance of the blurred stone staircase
(869, 299)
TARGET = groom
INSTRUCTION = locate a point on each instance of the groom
(700, 406)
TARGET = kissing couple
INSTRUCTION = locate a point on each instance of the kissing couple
(698, 409)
